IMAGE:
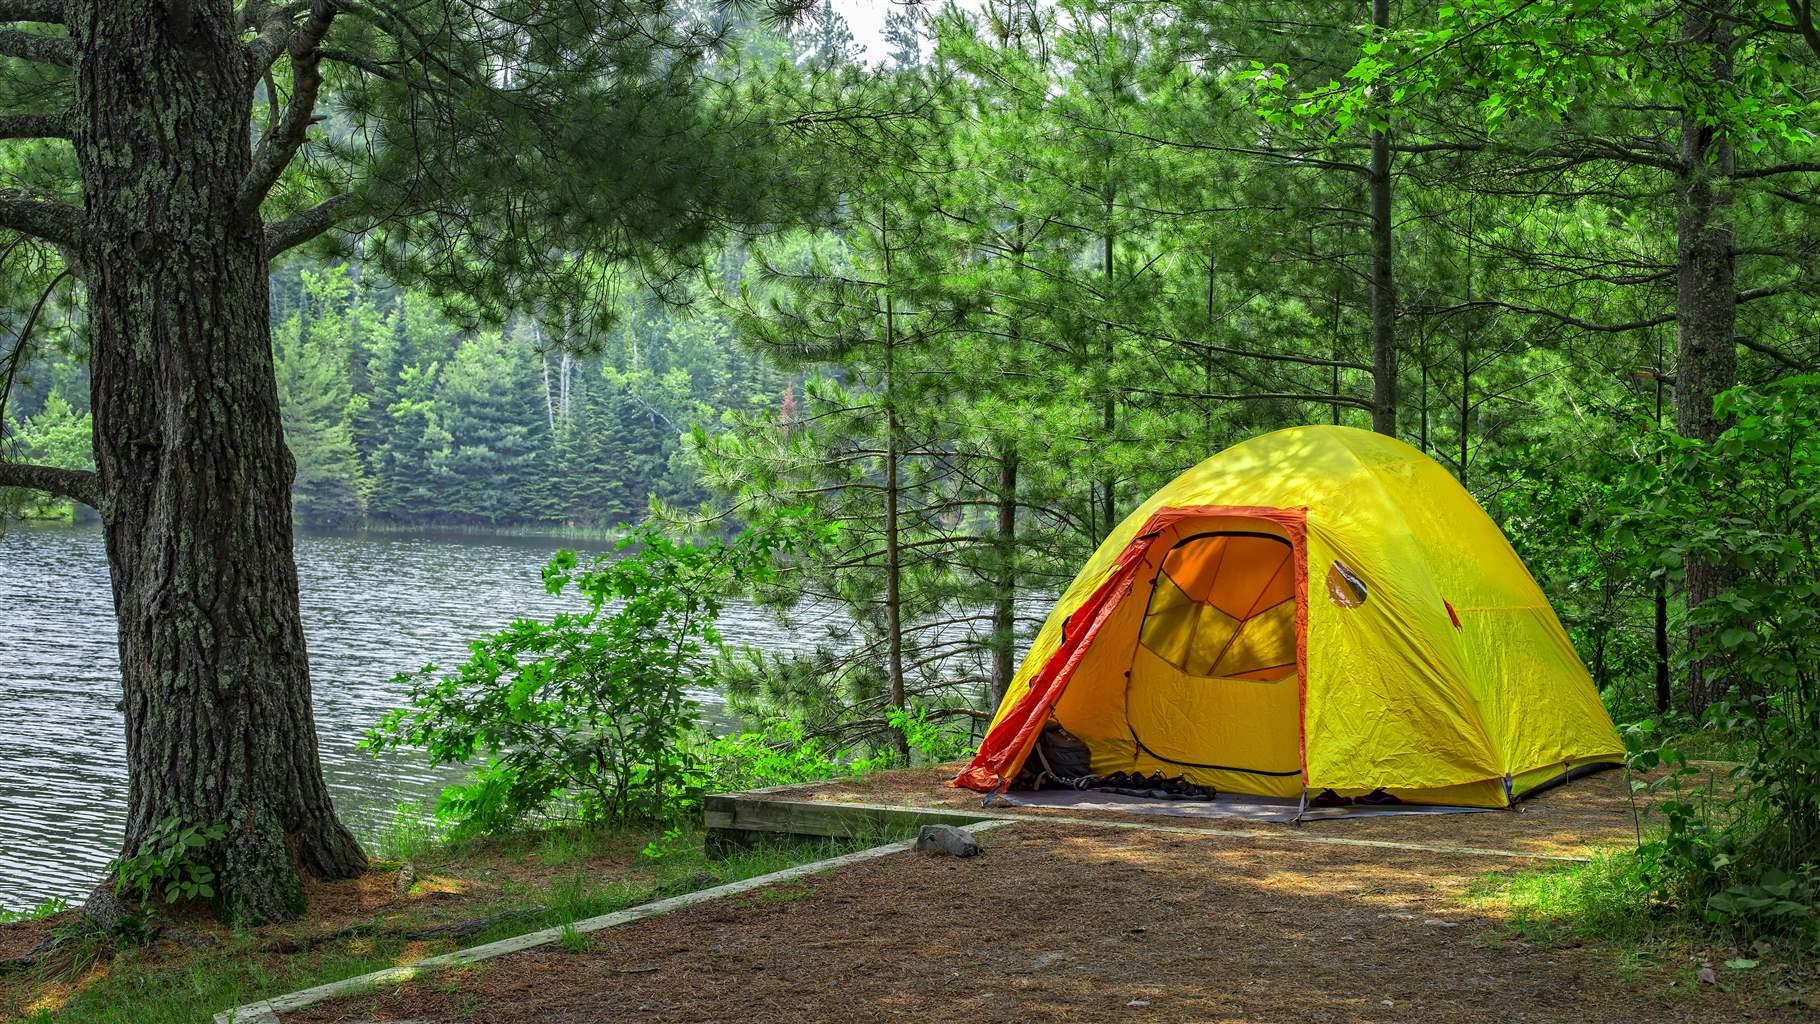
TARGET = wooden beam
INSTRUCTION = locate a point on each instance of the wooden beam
(268, 1011)
(729, 814)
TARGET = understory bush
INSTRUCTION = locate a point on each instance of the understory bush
(778, 753)
(1745, 855)
(586, 716)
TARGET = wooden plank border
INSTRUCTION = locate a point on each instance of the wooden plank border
(736, 820)
(266, 1011)
(728, 816)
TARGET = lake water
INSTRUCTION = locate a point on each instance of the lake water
(373, 605)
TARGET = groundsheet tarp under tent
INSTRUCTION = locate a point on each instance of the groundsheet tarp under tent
(1239, 805)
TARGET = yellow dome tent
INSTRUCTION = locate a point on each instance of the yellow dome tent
(1318, 608)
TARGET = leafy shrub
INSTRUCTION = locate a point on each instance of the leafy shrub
(930, 735)
(779, 753)
(169, 864)
(1744, 856)
(587, 715)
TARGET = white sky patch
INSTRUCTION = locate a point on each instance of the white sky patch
(866, 18)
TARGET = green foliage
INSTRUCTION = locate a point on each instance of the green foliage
(1608, 898)
(58, 435)
(1749, 857)
(36, 912)
(170, 864)
(779, 753)
(587, 715)
(409, 833)
(1521, 60)
(666, 846)
(572, 940)
(928, 734)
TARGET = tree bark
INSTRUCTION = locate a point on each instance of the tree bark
(894, 601)
(189, 450)
(1004, 604)
(1383, 283)
(1109, 412)
(1465, 406)
(1706, 355)
(1665, 693)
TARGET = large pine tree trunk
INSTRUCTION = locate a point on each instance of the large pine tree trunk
(189, 447)
(1706, 305)
(1383, 282)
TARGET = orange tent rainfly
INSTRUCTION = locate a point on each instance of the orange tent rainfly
(1319, 608)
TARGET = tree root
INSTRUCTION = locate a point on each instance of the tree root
(453, 930)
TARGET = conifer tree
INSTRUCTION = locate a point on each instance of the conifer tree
(904, 35)
(165, 193)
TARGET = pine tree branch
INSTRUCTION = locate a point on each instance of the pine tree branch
(81, 485)
(35, 126)
(295, 230)
(277, 147)
(1618, 327)
(25, 211)
(48, 12)
(1296, 157)
(1799, 167)
(273, 23)
(1255, 396)
(1778, 355)
(360, 63)
(37, 46)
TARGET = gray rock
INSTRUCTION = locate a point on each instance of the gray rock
(407, 877)
(946, 841)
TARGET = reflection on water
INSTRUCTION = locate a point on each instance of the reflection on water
(373, 606)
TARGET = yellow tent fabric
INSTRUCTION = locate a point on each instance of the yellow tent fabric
(1315, 608)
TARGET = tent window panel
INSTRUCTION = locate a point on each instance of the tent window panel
(1213, 633)
(1168, 596)
(1194, 566)
(1224, 606)
(1267, 642)
(1168, 633)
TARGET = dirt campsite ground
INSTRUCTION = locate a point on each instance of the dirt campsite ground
(1062, 921)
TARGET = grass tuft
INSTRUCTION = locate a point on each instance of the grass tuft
(1607, 898)
(572, 940)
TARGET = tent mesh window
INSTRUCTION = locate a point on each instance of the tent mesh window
(1224, 606)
